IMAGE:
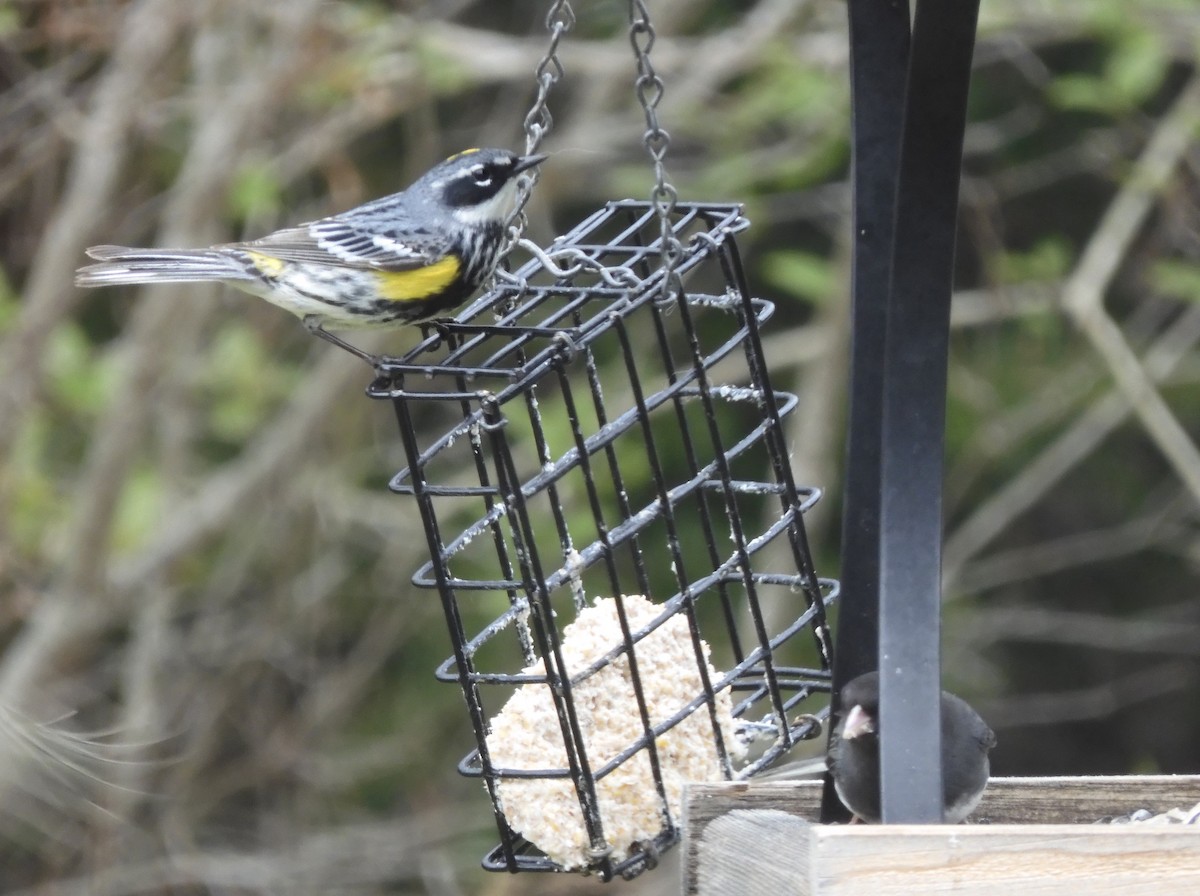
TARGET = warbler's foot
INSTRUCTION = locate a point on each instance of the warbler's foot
(313, 324)
(441, 327)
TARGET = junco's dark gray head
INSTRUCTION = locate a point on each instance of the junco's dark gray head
(854, 752)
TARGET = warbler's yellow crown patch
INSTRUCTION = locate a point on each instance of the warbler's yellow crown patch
(465, 152)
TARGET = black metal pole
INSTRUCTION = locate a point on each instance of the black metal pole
(879, 46)
(909, 113)
(914, 410)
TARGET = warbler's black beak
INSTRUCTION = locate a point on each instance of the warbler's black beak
(524, 163)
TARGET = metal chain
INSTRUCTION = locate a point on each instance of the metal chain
(620, 276)
(560, 19)
(649, 89)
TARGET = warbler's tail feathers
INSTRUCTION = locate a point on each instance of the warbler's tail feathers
(123, 265)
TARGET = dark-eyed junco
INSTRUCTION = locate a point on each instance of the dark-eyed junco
(854, 752)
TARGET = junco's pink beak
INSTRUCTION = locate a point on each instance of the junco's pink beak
(857, 723)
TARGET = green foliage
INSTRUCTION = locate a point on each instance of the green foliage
(327, 88)
(1132, 73)
(139, 511)
(804, 274)
(36, 500)
(81, 379)
(243, 383)
(10, 19)
(255, 191)
(441, 72)
(8, 302)
(50, 444)
(334, 73)
(1176, 277)
(782, 87)
(1048, 260)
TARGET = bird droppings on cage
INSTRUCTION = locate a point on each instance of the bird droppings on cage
(649, 459)
(575, 567)
(737, 393)
(631, 806)
(1177, 815)
(726, 301)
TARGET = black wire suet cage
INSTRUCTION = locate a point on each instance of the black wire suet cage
(594, 433)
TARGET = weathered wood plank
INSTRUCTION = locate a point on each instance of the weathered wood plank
(1032, 836)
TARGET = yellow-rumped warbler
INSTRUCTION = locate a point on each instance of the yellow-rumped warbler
(406, 258)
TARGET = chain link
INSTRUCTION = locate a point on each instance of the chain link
(649, 90)
(560, 19)
(620, 276)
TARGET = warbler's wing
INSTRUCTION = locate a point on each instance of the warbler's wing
(374, 236)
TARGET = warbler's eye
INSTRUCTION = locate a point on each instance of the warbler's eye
(482, 175)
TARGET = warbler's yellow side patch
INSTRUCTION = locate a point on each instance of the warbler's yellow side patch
(268, 266)
(465, 152)
(420, 283)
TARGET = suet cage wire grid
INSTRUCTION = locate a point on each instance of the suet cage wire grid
(591, 434)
